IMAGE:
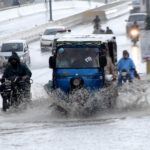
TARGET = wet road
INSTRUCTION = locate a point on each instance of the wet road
(38, 127)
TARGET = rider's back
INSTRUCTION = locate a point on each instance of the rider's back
(20, 70)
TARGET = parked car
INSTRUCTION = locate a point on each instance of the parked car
(139, 18)
(19, 46)
(49, 35)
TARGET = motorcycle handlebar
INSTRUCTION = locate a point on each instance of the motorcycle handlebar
(17, 79)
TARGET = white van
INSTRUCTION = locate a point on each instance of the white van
(136, 4)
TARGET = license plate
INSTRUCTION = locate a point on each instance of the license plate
(124, 73)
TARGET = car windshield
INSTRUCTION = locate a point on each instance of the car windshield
(136, 2)
(77, 57)
(9, 47)
(137, 18)
(53, 31)
(50, 32)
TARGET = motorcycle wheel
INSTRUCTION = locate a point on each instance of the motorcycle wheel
(5, 104)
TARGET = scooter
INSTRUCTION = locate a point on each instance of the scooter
(125, 77)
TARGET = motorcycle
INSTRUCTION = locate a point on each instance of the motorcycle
(125, 77)
(134, 35)
(13, 92)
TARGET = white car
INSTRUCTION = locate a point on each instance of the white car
(139, 18)
(49, 35)
(19, 46)
(136, 4)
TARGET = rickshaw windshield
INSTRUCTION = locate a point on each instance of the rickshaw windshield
(77, 57)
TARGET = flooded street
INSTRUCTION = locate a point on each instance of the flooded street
(38, 127)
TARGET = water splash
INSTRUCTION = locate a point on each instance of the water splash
(135, 95)
(130, 96)
(83, 102)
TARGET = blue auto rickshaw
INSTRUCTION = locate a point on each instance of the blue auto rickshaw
(78, 62)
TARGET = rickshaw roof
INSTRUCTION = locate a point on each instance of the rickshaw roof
(87, 38)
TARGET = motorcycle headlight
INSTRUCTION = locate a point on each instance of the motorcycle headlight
(134, 33)
(76, 82)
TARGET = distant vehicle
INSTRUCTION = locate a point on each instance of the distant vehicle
(136, 6)
(49, 35)
(19, 46)
(16, 3)
(134, 35)
(139, 18)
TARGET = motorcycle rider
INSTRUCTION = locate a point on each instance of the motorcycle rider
(126, 63)
(16, 3)
(108, 31)
(97, 21)
(135, 25)
(97, 26)
(15, 68)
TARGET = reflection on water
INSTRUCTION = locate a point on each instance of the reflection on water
(137, 58)
(135, 55)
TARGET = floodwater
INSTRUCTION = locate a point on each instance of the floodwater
(38, 126)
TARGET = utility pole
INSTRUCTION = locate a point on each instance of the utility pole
(148, 14)
(50, 10)
(106, 1)
(148, 7)
(147, 33)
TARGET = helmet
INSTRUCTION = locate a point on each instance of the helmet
(125, 52)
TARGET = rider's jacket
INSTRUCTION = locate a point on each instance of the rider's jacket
(20, 70)
(126, 64)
